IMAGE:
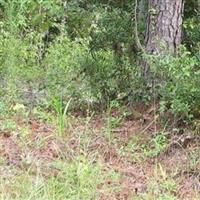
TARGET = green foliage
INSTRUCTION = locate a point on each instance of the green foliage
(76, 180)
(63, 56)
(61, 112)
(85, 50)
(156, 146)
(177, 82)
(111, 25)
(42, 56)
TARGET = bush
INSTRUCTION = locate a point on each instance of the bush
(177, 82)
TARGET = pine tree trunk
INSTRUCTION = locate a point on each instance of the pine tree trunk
(164, 25)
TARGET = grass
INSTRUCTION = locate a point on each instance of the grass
(90, 160)
(76, 180)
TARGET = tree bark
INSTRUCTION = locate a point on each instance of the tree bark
(164, 26)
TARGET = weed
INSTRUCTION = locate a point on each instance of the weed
(194, 159)
(112, 121)
(134, 147)
(156, 146)
(57, 104)
(8, 125)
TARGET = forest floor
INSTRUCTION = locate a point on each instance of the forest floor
(104, 157)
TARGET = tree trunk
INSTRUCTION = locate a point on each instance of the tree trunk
(164, 25)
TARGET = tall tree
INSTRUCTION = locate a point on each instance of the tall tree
(164, 24)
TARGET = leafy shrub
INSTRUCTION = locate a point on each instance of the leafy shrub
(177, 81)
